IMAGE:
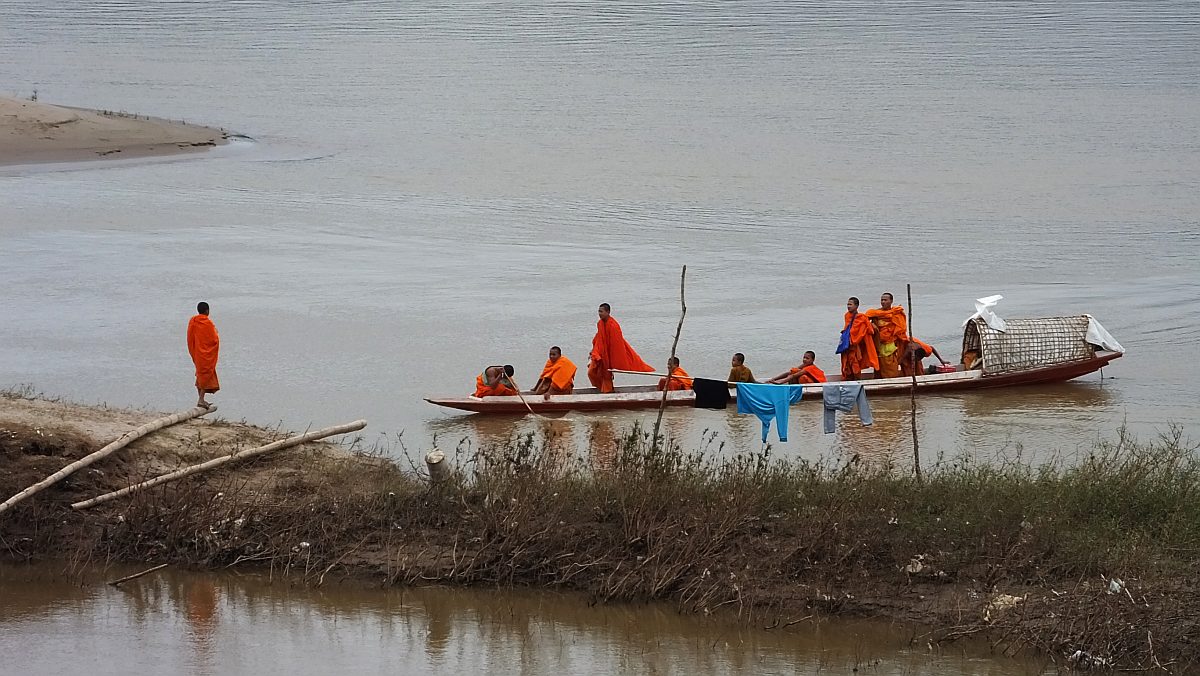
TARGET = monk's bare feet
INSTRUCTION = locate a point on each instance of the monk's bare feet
(203, 404)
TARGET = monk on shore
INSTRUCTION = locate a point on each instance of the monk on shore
(203, 345)
(679, 380)
(915, 351)
(856, 345)
(891, 336)
(806, 372)
(558, 375)
(738, 371)
(610, 351)
(495, 381)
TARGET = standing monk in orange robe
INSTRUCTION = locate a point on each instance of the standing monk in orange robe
(680, 380)
(495, 382)
(203, 344)
(558, 375)
(856, 347)
(610, 350)
(891, 336)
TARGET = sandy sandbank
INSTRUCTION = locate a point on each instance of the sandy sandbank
(34, 133)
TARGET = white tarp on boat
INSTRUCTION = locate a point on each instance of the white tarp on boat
(1098, 335)
(983, 309)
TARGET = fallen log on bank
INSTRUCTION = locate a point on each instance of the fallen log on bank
(121, 442)
(217, 462)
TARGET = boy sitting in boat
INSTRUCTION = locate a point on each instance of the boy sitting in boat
(558, 375)
(495, 381)
(806, 372)
(738, 371)
(680, 380)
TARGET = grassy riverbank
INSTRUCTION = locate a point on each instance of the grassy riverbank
(1096, 554)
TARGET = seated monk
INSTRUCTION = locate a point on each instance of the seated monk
(914, 353)
(558, 375)
(494, 382)
(738, 371)
(806, 372)
(679, 380)
(971, 360)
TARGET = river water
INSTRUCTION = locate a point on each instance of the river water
(437, 186)
(200, 624)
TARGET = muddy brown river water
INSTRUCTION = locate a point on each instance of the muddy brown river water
(205, 624)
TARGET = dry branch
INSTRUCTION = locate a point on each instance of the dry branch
(135, 576)
(216, 462)
(121, 442)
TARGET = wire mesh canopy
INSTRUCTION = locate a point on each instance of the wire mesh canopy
(1028, 343)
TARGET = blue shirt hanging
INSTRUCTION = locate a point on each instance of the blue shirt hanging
(768, 402)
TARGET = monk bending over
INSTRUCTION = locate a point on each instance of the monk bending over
(806, 372)
(738, 371)
(495, 382)
(856, 346)
(610, 351)
(678, 380)
(916, 351)
(204, 344)
(558, 375)
(891, 336)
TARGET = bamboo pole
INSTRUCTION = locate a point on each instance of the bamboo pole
(135, 576)
(913, 397)
(518, 389)
(674, 344)
(121, 442)
(216, 462)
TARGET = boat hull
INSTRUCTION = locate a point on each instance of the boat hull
(642, 397)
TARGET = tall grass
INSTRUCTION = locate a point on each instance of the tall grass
(756, 533)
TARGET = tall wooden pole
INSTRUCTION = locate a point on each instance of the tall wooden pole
(913, 398)
(674, 344)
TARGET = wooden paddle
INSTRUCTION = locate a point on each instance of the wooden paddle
(518, 389)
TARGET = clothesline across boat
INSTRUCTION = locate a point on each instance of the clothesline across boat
(770, 402)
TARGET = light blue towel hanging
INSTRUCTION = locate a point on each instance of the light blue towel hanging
(845, 397)
(768, 402)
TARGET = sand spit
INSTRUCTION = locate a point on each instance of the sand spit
(36, 133)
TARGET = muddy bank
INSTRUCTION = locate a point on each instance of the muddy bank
(1096, 560)
(34, 133)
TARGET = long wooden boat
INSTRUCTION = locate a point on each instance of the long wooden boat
(646, 396)
(1026, 352)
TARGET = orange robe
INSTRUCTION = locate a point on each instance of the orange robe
(680, 380)
(907, 367)
(203, 344)
(610, 350)
(561, 375)
(891, 336)
(861, 353)
(810, 374)
(499, 388)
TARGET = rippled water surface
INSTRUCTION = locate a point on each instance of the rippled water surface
(435, 186)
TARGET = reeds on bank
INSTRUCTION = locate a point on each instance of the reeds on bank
(1095, 554)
